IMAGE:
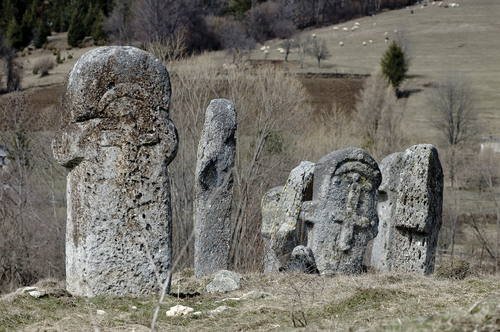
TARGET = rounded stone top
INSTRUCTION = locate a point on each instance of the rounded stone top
(343, 160)
(125, 70)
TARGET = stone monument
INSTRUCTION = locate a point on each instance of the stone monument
(117, 144)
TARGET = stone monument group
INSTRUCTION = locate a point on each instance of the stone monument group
(336, 216)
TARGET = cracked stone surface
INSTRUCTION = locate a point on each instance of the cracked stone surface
(410, 211)
(117, 144)
(342, 216)
(214, 188)
(281, 208)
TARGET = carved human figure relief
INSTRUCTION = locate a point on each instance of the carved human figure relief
(342, 215)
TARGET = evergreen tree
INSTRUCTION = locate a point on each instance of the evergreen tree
(395, 65)
(78, 30)
(14, 35)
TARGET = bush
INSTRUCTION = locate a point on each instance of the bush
(395, 65)
(42, 66)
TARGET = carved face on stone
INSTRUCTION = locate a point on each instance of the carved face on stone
(342, 215)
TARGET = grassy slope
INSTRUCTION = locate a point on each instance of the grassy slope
(463, 40)
(369, 302)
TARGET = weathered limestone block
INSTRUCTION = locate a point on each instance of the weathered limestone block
(410, 211)
(280, 216)
(117, 144)
(342, 216)
(214, 188)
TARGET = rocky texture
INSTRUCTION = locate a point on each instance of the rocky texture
(342, 217)
(117, 144)
(302, 260)
(224, 281)
(214, 188)
(280, 216)
(410, 211)
(3, 156)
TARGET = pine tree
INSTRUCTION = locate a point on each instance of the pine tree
(78, 30)
(395, 65)
(14, 35)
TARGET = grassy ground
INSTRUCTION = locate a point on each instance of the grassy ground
(280, 302)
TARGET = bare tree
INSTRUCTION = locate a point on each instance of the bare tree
(489, 171)
(303, 44)
(319, 50)
(287, 44)
(452, 103)
(118, 24)
(379, 115)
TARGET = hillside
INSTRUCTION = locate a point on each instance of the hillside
(442, 41)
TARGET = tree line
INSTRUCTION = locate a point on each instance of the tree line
(25, 22)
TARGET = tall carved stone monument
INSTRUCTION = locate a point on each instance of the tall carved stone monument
(214, 188)
(342, 216)
(117, 145)
(280, 216)
(410, 211)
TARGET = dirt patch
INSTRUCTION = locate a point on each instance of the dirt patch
(332, 92)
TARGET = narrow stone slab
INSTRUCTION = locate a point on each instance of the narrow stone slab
(342, 216)
(117, 145)
(280, 216)
(214, 188)
(410, 210)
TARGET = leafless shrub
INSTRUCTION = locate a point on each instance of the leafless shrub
(31, 204)
(170, 48)
(379, 116)
(43, 65)
(268, 104)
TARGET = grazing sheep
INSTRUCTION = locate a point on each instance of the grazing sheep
(345, 29)
(370, 41)
(263, 48)
(386, 33)
(314, 35)
(341, 43)
(335, 28)
(364, 43)
(354, 28)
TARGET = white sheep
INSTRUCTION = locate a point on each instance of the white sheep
(345, 29)
(263, 48)
(386, 33)
(335, 28)
(354, 28)
(364, 43)
(370, 41)
(341, 43)
(356, 23)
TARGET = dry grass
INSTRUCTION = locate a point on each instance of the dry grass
(371, 302)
